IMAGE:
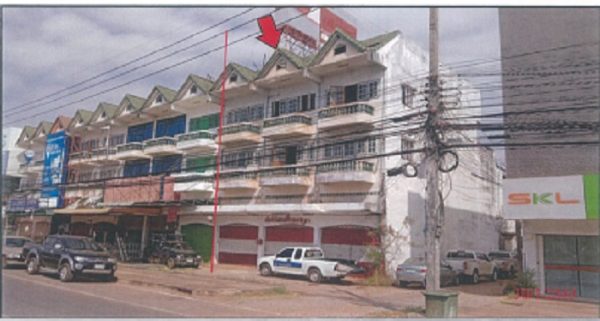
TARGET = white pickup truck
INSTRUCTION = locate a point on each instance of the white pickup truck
(308, 261)
(472, 265)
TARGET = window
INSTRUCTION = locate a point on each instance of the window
(298, 254)
(244, 114)
(372, 141)
(129, 108)
(103, 115)
(281, 64)
(237, 159)
(166, 164)
(170, 127)
(136, 168)
(233, 78)
(286, 253)
(200, 164)
(116, 140)
(335, 96)
(159, 99)
(339, 49)
(407, 145)
(293, 105)
(193, 90)
(140, 133)
(367, 90)
(408, 94)
(350, 94)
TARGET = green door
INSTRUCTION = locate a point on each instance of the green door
(199, 237)
(200, 164)
(204, 122)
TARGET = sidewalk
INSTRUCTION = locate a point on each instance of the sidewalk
(296, 297)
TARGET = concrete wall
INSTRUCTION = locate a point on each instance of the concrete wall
(527, 30)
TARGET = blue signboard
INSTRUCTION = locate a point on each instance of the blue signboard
(55, 165)
(22, 204)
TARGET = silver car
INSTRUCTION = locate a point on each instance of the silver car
(12, 250)
(413, 270)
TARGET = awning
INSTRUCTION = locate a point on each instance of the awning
(80, 211)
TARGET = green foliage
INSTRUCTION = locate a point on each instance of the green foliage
(526, 279)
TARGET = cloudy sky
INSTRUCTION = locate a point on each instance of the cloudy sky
(46, 50)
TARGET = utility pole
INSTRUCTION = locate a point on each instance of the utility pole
(432, 202)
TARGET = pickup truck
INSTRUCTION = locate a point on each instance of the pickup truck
(472, 265)
(507, 263)
(70, 257)
(308, 261)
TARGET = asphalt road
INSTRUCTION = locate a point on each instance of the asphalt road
(26, 295)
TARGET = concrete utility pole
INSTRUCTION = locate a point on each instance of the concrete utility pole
(432, 202)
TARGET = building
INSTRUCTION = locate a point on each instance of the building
(300, 160)
(554, 191)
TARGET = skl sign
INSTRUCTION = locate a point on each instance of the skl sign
(539, 198)
(544, 198)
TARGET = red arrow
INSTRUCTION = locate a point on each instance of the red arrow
(270, 34)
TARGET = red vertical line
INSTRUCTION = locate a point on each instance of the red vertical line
(218, 159)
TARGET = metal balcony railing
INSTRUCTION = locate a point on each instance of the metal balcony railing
(130, 146)
(104, 151)
(282, 172)
(346, 110)
(238, 128)
(162, 141)
(285, 120)
(200, 134)
(238, 175)
(346, 166)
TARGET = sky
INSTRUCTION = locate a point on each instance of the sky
(46, 50)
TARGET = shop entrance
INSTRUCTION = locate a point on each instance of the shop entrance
(199, 237)
(572, 265)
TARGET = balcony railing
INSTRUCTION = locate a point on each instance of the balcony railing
(162, 141)
(282, 172)
(238, 128)
(293, 119)
(346, 166)
(201, 134)
(104, 152)
(129, 147)
(238, 175)
(346, 110)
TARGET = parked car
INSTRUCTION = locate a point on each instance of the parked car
(71, 257)
(174, 254)
(506, 262)
(472, 265)
(308, 261)
(12, 250)
(413, 270)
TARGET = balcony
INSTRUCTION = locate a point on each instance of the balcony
(196, 142)
(161, 146)
(354, 114)
(287, 176)
(350, 171)
(131, 151)
(243, 133)
(105, 156)
(289, 125)
(81, 159)
(194, 185)
(238, 181)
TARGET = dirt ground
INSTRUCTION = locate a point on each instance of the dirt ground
(295, 297)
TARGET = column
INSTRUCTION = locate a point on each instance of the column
(144, 235)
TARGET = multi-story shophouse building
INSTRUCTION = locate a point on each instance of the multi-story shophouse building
(550, 68)
(301, 158)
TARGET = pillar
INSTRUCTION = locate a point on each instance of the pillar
(144, 235)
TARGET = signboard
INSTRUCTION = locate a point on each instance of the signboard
(544, 198)
(55, 161)
(22, 204)
(287, 218)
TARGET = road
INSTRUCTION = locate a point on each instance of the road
(45, 296)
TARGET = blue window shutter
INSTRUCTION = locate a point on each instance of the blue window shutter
(166, 164)
(136, 168)
(139, 133)
(170, 127)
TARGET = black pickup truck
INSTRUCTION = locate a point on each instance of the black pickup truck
(70, 257)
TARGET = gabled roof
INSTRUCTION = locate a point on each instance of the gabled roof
(245, 72)
(167, 93)
(43, 127)
(60, 123)
(297, 61)
(84, 115)
(201, 82)
(371, 43)
(109, 109)
(26, 133)
(135, 101)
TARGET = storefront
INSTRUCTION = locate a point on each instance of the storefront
(561, 240)
(244, 237)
